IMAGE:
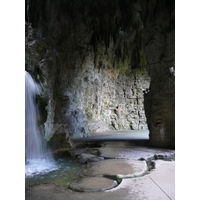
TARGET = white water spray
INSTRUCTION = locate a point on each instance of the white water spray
(37, 156)
(34, 144)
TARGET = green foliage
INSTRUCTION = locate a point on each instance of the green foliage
(88, 113)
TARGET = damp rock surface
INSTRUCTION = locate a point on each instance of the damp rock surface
(84, 157)
(117, 167)
(93, 184)
(114, 179)
(146, 187)
(127, 150)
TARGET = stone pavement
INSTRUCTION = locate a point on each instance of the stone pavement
(159, 184)
(116, 171)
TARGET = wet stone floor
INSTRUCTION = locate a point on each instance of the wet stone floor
(107, 170)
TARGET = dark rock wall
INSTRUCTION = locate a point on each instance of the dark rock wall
(159, 50)
(91, 59)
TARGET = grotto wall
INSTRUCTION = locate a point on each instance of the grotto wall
(94, 60)
(159, 50)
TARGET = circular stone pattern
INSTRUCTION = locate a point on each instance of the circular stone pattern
(117, 167)
(93, 184)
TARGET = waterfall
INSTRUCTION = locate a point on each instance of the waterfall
(36, 154)
(34, 144)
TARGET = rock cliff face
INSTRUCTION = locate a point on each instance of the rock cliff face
(159, 50)
(94, 60)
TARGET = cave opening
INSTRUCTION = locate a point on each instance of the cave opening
(99, 66)
(106, 69)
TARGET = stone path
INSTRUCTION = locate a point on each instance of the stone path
(120, 168)
(116, 171)
(128, 151)
(93, 184)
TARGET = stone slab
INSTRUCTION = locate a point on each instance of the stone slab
(128, 151)
(93, 184)
(159, 184)
(129, 189)
(117, 167)
(164, 177)
(139, 188)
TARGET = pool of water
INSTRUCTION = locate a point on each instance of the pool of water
(62, 171)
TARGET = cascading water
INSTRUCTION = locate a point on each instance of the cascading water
(34, 146)
(38, 159)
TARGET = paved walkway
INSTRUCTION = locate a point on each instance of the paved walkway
(116, 170)
(159, 184)
(164, 178)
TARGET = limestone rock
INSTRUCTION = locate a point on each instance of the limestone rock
(95, 65)
(160, 99)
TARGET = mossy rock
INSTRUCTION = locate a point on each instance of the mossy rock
(89, 114)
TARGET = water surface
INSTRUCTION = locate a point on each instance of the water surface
(61, 171)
